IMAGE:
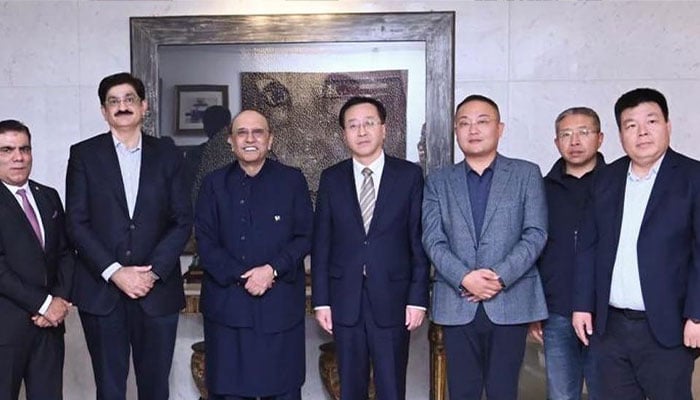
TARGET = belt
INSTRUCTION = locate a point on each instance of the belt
(628, 313)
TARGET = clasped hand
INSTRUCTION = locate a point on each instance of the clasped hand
(259, 279)
(481, 284)
(54, 315)
(136, 281)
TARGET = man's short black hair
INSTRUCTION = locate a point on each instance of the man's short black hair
(12, 125)
(353, 101)
(636, 97)
(482, 98)
(120, 79)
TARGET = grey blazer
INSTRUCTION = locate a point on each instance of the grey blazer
(514, 233)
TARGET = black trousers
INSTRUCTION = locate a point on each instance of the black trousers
(38, 360)
(632, 365)
(482, 356)
(112, 337)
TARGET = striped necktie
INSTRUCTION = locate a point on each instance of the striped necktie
(367, 198)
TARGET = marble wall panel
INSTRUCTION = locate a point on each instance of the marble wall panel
(51, 113)
(39, 43)
(604, 40)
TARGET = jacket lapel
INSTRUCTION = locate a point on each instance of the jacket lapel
(458, 180)
(147, 173)
(7, 199)
(348, 186)
(47, 212)
(663, 183)
(388, 181)
(113, 171)
(499, 185)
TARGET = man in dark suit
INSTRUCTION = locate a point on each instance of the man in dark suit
(253, 227)
(129, 217)
(637, 298)
(369, 270)
(36, 268)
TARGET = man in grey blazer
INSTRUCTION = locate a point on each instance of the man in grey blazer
(484, 225)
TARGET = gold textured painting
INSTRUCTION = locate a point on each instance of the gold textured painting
(303, 112)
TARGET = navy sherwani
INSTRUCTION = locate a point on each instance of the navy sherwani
(255, 345)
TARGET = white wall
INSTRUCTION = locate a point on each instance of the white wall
(533, 58)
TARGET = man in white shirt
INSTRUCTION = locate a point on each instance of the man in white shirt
(637, 297)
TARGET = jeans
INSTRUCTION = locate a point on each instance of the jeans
(567, 361)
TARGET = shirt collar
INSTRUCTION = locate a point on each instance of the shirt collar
(375, 166)
(489, 168)
(118, 144)
(13, 189)
(652, 172)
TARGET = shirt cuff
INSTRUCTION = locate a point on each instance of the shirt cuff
(322, 308)
(417, 307)
(45, 306)
(107, 273)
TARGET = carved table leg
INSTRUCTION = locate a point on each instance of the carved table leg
(438, 363)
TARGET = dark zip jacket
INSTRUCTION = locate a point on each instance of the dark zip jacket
(566, 200)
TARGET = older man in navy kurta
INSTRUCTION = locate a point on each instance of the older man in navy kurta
(253, 227)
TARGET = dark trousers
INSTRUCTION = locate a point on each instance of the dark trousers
(38, 360)
(293, 395)
(110, 339)
(482, 355)
(365, 342)
(632, 365)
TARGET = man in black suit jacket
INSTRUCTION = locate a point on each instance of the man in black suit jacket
(369, 270)
(637, 297)
(36, 268)
(129, 217)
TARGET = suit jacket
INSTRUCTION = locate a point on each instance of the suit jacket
(272, 226)
(513, 234)
(668, 246)
(29, 273)
(102, 231)
(391, 251)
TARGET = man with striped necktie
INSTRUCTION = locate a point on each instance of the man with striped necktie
(369, 270)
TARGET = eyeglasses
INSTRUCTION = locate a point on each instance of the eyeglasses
(567, 134)
(479, 123)
(257, 133)
(368, 124)
(128, 100)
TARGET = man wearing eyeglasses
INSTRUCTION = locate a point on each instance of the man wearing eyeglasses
(253, 225)
(637, 298)
(484, 225)
(369, 270)
(129, 216)
(577, 138)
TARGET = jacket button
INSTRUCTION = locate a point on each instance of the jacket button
(132, 227)
(128, 253)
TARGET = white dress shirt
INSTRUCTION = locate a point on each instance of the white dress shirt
(625, 287)
(130, 167)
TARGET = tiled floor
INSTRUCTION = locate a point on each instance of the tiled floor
(79, 384)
